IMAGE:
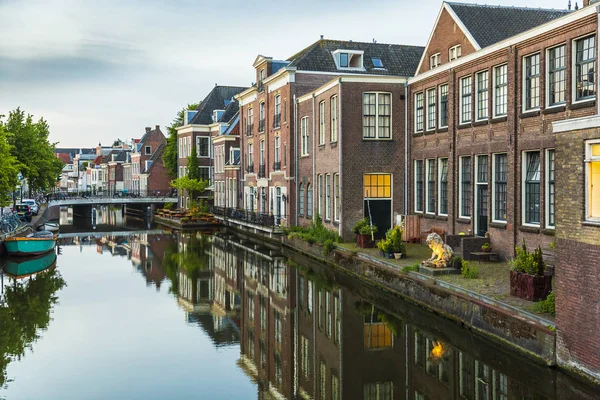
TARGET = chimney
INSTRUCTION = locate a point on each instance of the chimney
(157, 127)
(586, 3)
(321, 37)
(148, 129)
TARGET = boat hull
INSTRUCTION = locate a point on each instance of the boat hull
(49, 226)
(22, 267)
(29, 246)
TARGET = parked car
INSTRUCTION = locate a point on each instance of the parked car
(31, 203)
(24, 212)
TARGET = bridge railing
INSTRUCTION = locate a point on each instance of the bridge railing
(112, 194)
(265, 220)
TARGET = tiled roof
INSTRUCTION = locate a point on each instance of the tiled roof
(491, 24)
(230, 112)
(215, 100)
(64, 157)
(155, 156)
(398, 60)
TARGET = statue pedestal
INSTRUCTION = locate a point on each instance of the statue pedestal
(431, 271)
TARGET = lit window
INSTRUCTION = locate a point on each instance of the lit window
(593, 181)
(377, 186)
(532, 82)
(585, 58)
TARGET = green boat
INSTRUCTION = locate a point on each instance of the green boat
(23, 267)
(41, 243)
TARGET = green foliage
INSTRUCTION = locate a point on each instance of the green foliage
(526, 262)
(456, 262)
(9, 168)
(316, 233)
(193, 166)
(468, 271)
(384, 245)
(547, 305)
(363, 227)
(414, 267)
(393, 241)
(552, 245)
(486, 245)
(170, 154)
(193, 186)
(169, 205)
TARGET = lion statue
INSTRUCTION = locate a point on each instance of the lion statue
(441, 252)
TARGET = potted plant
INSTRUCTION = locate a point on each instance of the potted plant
(364, 232)
(385, 247)
(486, 247)
(394, 236)
(527, 278)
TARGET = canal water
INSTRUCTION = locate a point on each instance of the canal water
(135, 313)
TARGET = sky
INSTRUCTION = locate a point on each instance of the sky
(102, 70)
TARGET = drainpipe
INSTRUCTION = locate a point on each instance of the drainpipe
(405, 149)
(340, 186)
(314, 159)
(295, 125)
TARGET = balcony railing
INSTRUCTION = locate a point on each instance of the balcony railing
(261, 125)
(252, 217)
(261, 171)
(277, 121)
(249, 129)
(250, 169)
(277, 166)
(260, 86)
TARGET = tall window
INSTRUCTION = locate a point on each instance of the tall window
(431, 109)
(320, 195)
(418, 185)
(309, 201)
(202, 146)
(328, 197)
(276, 155)
(323, 381)
(585, 58)
(336, 197)
(419, 112)
(465, 99)
(262, 152)
(333, 111)
(500, 90)
(443, 106)
(261, 117)
(482, 95)
(277, 116)
(500, 186)
(532, 82)
(250, 121)
(592, 198)
(322, 122)
(557, 75)
(443, 187)
(531, 190)
(301, 199)
(465, 187)
(378, 391)
(250, 156)
(550, 193)
(377, 115)
(304, 135)
(431, 186)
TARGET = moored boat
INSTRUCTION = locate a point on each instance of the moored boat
(39, 243)
(22, 267)
(49, 226)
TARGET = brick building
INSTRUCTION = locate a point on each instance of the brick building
(146, 177)
(211, 119)
(490, 83)
(226, 159)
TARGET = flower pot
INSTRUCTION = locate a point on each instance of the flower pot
(530, 287)
(486, 249)
(364, 241)
(397, 256)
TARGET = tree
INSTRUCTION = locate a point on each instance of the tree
(9, 169)
(170, 154)
(193, 166)
(117, 143)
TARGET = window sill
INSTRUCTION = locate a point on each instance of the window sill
(419, 213)
(549, 231)
(591, 223)
(321, 146)
(529, 229)
(442, 218)
(305, 156)
(501, 118)
(480, 123)
(463, 221)
(442, 130)
(498, 225)
(430, 132)
(429, 216)
(464, 125)
(377, 139)
(418, 134)
(336, 223)
(582, 104)
(530, 113)
(333, 145)
(555, 109)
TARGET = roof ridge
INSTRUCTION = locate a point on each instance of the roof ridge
(451, 3)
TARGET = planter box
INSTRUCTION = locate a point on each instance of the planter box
(386, 255)
(364, 241)
(530, 287)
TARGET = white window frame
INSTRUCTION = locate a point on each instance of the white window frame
(418, 207)
(460, 182)
(417, 130)
(493, 189)
(487, 90)
(440, 105)
(428, 163)
(547, 77)
(457, 50)
(377, 137)
(429, 106)
(198, 138)
(524, 189)
(524, 82)
(547, 188)
(276, 141)
(304, 145)
(460, 101)
(495, 91)
(435, 60)
(589, 158)
(351, 53)
(574, 67)
(322, 122)
(320, 195)
(337, 199)
(328, 197)
(439, 186)
(334, 118)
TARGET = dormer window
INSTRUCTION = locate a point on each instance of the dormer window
(377, 62)
(454, 52)
(348, 59)
(434, 61)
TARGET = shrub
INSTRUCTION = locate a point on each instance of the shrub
(394, 236)
(363, 227)
(486, 245)
(315, 233)
(526, 262)
(547, 305)
(408, 268)
(456, 262)
(384, 245)
(328, 246)
(468, 271)
(168, 206)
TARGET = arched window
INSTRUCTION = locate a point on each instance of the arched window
(309, 200)
(301, 205)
